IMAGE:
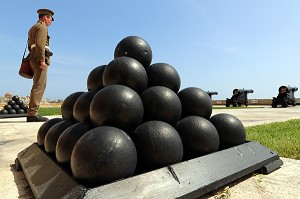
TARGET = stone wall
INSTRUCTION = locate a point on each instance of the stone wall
(250, 102)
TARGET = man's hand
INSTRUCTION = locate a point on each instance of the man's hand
(43, 65)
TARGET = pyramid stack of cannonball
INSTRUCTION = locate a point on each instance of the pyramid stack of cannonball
(14, 106)
(134, 118)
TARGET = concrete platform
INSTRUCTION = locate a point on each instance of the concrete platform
(16, 134)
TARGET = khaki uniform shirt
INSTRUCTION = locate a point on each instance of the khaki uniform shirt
(38, 35)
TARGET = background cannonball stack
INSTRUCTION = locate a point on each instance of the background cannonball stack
(14, 106)
(134, 118)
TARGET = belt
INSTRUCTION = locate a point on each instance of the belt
(33, 46)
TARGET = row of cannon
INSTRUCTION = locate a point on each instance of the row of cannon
(285, 97)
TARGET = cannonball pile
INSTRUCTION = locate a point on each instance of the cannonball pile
(134, 118)
(14, 106)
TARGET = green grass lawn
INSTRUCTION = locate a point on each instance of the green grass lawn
(43, 111)
(282, 137)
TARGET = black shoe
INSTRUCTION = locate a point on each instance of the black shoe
(36, 119)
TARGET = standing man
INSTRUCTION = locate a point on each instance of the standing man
(39, 56)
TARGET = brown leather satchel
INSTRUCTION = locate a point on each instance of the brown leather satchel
(25, 69)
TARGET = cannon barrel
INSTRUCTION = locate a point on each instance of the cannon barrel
(212, 93)
(246, 90)
(287, 89)
(293, 89)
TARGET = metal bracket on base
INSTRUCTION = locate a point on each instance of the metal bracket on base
(188, 179)
(270, 167)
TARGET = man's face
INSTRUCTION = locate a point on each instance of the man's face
(48, 20)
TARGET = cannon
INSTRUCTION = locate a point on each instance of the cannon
(239, 97)
(210, 93)
(285, 97)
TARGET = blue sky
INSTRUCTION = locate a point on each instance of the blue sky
(214, 45)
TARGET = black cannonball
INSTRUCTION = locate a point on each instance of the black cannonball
(19, 102)
(158, 144)
(24, 106)
(198, 135)
(45, 128)
(81, 110)
(16, 107)
(15, 98)
(102, 155)
(136, 48)
(20, 111)
(11, 102)
(161, 103)
(4, 111)
(125, 71)
(12, 111)
(117, 106)
(68, 105)
(163, 74)
(7, 107)
(68, 139)
(231, 130)
(94, 80)
(53, 134)
(196, 102)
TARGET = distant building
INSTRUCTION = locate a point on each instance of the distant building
(8, 95)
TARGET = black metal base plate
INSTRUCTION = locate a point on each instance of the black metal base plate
(188, 179)
(12, 115)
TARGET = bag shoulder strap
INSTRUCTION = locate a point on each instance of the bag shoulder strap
(25, 49)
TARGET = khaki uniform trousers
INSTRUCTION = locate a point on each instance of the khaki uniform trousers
(38, 88)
